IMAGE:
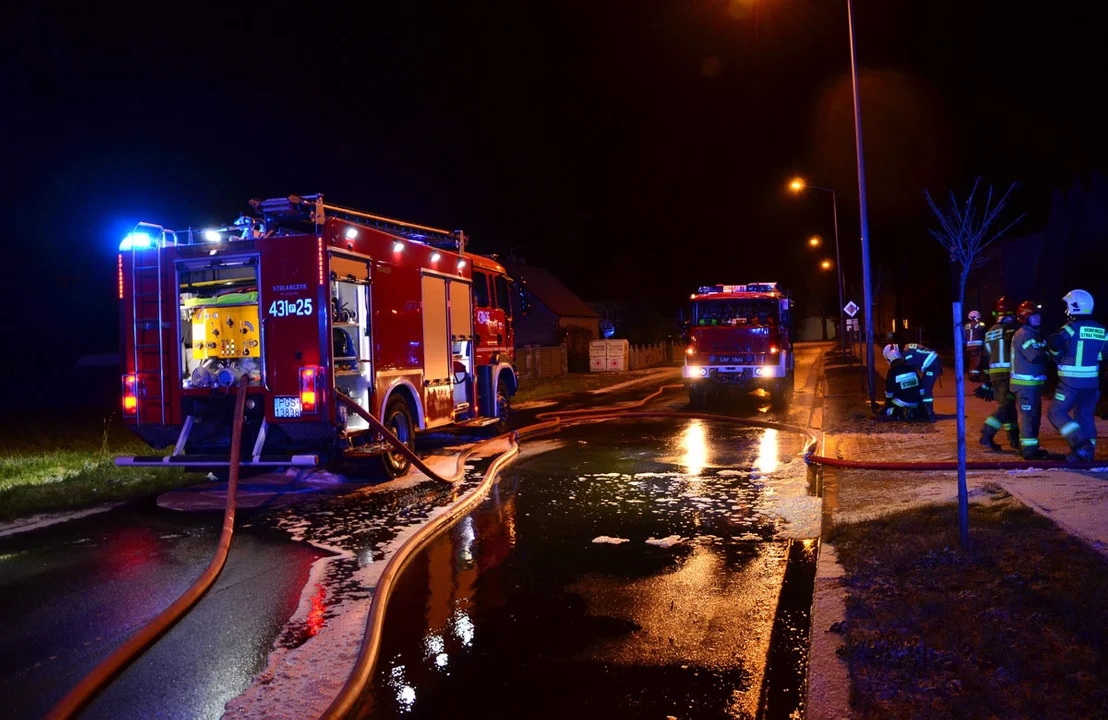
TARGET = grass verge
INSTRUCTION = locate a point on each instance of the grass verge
(63, 463)
(1015, 627)
(548, 387)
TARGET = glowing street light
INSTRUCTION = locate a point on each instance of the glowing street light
(797, 185)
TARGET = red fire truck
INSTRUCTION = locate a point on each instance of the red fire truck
(318, 306)
(740, 339)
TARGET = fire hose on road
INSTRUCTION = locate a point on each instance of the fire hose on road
(93, 683)
(100, 676)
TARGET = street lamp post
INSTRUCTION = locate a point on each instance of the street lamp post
(866, 290)
(796, 186)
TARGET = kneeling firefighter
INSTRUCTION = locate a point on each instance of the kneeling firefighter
(902, 386)
(926, 362)
(996, 359)
(1078, 350)
(1029, 359)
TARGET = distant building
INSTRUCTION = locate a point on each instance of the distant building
(554, 314)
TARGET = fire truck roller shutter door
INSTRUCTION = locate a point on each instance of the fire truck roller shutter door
(438, 388)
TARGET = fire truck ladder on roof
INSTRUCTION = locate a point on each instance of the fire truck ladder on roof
(312, 207)
(145, 301)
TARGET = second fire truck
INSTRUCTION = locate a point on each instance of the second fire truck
(324, 310)
(739, 339)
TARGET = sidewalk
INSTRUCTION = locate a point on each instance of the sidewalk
(1077, 501)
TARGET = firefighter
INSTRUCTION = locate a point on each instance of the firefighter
(974, 338)
(926, 362)
(1029, 359)
(1078, 349)
(996, 361)
(902, 386)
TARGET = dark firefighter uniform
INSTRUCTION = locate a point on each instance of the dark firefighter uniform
(1029, 359)
(1078, 350)
(902, 389)
(926, 362)
(974, 335)
(996, 360)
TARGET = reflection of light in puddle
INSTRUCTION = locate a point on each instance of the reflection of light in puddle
(767, 452)
(441, 659)
(406, 697)
(463, 628)
(695, 445)
(468, 536)
(434, 644)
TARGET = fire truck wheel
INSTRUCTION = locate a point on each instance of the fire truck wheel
(398, 419)
(503, 407)
(697, 397)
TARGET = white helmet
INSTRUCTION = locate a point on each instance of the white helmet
(891, 352)
(975, 316)
(1078, 302)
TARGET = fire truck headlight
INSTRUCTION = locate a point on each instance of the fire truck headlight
(397, 246)
(461, 264)
(690, 350)
(212, 236)
(773, 349)
(435, 257)
(351, 233)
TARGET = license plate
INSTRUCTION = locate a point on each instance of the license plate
(287, 407)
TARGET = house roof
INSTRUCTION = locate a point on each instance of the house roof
(550, 291)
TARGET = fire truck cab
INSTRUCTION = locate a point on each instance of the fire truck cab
(739, 339)
(324, 311)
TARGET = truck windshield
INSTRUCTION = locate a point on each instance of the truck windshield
(735, 312)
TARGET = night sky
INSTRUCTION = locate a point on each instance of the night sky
(635, 149)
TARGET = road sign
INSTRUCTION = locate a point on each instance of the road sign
(852, 324)
(851, 309)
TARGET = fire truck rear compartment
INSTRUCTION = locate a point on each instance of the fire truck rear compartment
(221, 333)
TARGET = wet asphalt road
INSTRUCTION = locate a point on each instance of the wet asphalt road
(633, 570)
(73, 592)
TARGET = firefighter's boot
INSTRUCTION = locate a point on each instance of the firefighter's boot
(1036, 453)
(987, 441)
(930, 413)
(1014, 439)
(1082, 454)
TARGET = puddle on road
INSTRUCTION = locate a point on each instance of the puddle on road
(518, 611)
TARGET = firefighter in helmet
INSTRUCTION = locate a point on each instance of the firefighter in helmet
(974, 338)
(1078, 349)
(1029, 359)
(903, 392)
(996, 360)
(926, 362)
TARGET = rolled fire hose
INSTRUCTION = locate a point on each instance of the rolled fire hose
(108, 669)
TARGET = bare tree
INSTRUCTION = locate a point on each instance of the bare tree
(965, 230)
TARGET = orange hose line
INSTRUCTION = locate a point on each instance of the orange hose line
(366, 662)
(102, 675)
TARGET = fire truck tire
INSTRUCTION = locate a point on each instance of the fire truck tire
(503, 407)
(697, 397)
(398, 419)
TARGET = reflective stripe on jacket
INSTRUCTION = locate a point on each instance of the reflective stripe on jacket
(919, 356)
(974, 334)
(1079, 349)
(1029, 357)
(997, 356)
